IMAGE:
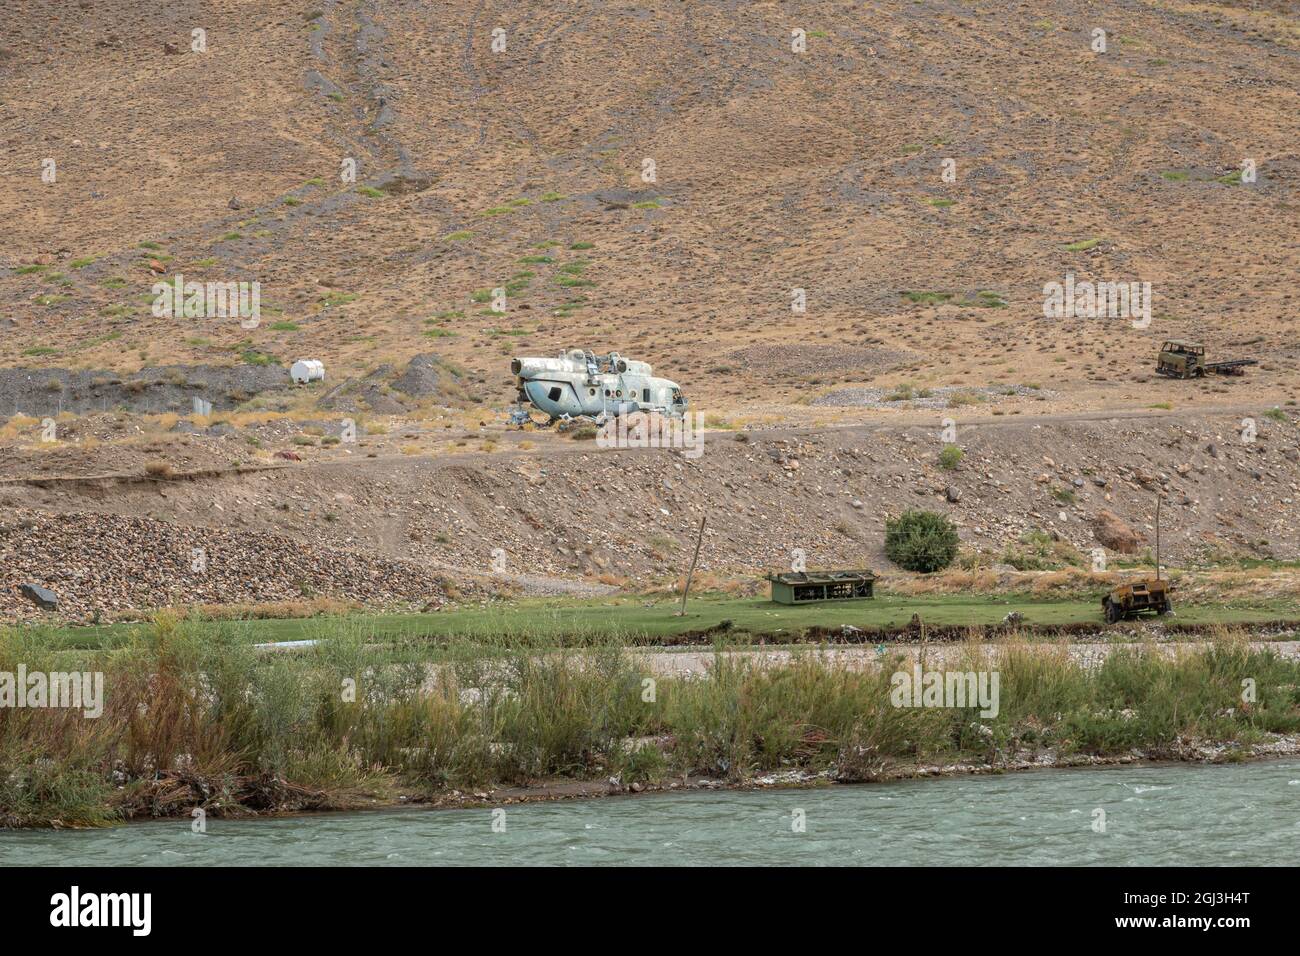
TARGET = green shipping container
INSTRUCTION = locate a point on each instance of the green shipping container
(803, 587)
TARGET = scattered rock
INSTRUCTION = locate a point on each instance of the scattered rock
(109, 563)
(153, 389)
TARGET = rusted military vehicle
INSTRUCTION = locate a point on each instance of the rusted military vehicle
(1178, 359)
(1129, 600)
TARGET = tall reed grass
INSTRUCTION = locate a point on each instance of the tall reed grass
(211, 722)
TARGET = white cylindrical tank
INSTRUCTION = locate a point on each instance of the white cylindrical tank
(307, 370)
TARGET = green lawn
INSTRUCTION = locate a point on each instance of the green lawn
(639, 619)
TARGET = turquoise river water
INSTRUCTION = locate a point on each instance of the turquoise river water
(1245, 814)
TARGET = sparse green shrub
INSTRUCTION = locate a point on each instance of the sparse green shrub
(1039, 551)
(903, 393)
(922, 541)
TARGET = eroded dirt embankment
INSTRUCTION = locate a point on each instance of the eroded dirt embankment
(918, 634)
(571, 509)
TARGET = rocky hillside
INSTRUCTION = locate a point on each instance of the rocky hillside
(565, 508)
(807, 213)
(657, 178)
(100, 565)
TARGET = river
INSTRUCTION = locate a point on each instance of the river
(1245, 814)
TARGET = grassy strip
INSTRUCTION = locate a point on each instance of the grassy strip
(190, 720)
(633, 619)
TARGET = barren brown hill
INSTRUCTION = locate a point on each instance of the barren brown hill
(525, 168)
(668, 180)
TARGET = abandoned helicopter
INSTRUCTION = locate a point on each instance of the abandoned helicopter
(580, 384)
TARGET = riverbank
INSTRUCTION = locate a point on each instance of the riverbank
(1155, 815)
(188, 721)
(1282, 747)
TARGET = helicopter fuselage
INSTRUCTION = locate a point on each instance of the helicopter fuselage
(578, 383)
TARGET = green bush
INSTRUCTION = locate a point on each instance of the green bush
(920, 541)
(950, 457)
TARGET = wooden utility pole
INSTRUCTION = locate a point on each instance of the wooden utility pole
(1157, 537)
(699, 538)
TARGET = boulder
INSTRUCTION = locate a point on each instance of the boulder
(43, 598)
(1114, 533)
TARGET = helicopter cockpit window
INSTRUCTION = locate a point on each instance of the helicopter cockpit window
(554, 393)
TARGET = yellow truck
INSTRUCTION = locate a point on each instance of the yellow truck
(1179, 359)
